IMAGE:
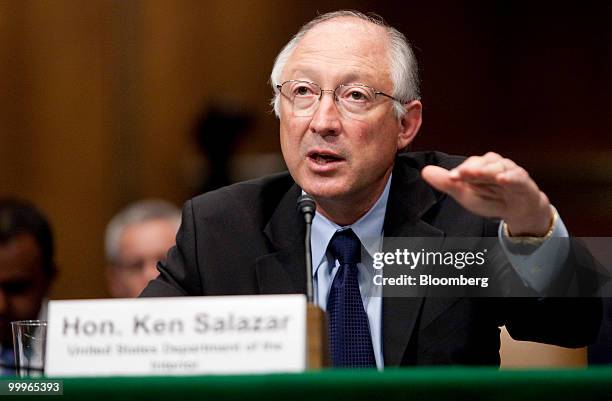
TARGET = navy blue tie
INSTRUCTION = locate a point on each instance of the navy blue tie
(349, 331)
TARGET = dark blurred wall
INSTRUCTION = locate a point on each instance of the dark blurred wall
(97, 99)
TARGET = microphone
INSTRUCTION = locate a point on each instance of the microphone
(306, 205)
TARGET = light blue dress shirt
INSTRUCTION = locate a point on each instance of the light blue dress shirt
(369, 230)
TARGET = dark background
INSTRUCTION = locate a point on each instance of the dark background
(99, 99)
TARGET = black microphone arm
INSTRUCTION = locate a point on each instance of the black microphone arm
(306, 205)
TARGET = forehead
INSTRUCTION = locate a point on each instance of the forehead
(150, 233)
(339, 50)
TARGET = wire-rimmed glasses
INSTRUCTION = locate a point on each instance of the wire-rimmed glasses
(353, 100)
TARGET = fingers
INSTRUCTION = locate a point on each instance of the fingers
(516, 179)
(488, 176)
(490, 169)
(472, 166)
(438, 178)
(493, 186)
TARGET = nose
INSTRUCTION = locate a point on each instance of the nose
(326, 119)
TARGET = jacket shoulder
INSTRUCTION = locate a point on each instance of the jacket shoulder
(251, 201)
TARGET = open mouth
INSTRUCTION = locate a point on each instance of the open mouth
(324, 158)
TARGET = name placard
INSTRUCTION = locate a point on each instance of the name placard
(177, 336)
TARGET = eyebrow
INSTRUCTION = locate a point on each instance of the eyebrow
(350, 78)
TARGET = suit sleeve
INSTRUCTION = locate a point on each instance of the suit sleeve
(179, 275)
(568, 316)
(570, 320)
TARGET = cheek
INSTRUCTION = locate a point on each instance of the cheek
(284, 140)
(294, 127)
(135, 281)
(291, 134)
(376, 139)
(389, 137)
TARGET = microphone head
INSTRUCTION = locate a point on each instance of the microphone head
(306, 204)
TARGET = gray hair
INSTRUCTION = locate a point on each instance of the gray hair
(136, 213)
(403, 64)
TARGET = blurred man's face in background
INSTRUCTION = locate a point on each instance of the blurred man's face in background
(23, 282)
(141, 246)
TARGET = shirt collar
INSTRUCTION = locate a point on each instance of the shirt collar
(368, 229)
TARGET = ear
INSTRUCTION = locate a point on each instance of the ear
(409, 124)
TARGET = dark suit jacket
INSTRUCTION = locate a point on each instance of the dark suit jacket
(248, 239)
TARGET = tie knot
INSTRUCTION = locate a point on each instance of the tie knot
(345, 247)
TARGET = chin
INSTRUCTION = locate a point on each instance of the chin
(326, 190)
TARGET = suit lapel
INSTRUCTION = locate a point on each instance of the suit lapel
(410, 197)
(283, 270)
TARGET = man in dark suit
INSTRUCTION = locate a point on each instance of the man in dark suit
(348, 103)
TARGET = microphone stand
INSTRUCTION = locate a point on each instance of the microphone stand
(316, 322)
(307, 206)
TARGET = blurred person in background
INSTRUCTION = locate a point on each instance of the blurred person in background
(136, 239)
(27, 269)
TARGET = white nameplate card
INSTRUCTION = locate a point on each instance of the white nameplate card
(177, 336)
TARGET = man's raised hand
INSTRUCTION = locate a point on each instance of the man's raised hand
(493, 186)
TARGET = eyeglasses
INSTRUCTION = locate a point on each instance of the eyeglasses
(352, 100)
